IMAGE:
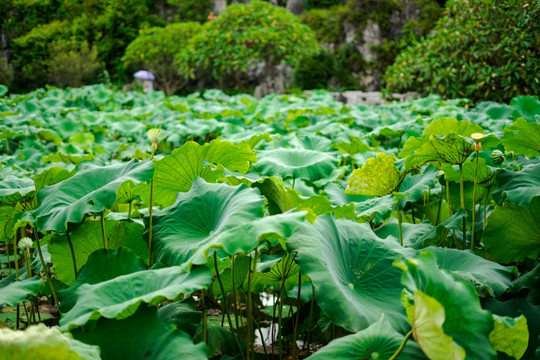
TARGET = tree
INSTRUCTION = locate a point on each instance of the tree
(480, 49)
(246, 35)
(155, 49)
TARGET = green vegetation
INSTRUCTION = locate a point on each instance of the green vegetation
(480, 49)
(155, 50)
(216, 226)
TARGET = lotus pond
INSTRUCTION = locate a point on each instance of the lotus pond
(213, 226)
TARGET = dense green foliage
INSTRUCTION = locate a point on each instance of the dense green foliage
(480, 49)
(359, 230)
(244, 36)
(155, 50)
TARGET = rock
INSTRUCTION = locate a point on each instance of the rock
(371, 36)
(274, 80)
(218, 6)
(295, 6)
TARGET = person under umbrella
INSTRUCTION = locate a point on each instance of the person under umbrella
(146, 79)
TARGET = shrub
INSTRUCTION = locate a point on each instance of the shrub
(313, 72)
(190, 10)
(72, 63)
(6, 72)
(245, 35)
(154, 50)
(479, 49)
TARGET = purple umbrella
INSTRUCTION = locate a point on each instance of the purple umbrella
(144, 75)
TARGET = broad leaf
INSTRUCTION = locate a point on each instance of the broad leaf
(113, 300)
(378, 177)
(513, 232)
(88, 238)
(510, 336)
(41, 342)
(464, 319)
(378, 341)
(18, 291)
(176, 172)
(522, 138)
(351, 270)
(296, 163)
(519, 187)
(142, 335)
(90, 191)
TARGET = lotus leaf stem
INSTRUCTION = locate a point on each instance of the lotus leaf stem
(251, 273)
(225, 307)
(439, 207)
(399, 223)
(150, 208)
(235, 307)
(412, 214)
(280, 311)
(310, 319)
(401, 347)
(261, 335)
(7, 253)
(474, 201)
(462, 199)
(456, 243)
(297, 321)
(485, 208)
(16, 250)
(46, 269)
(204, 319)
(72, 254)
(129, 209)
(103, 234)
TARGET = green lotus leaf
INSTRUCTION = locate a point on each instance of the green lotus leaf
(379, 341)
(18, 291)
(176, 172)
(446, 125)
(519, 187)
(102, 265)
(522, 138)
(355, 146)
(471, 268)
(201, 214)
(416, 185)
(510, 335)
(285, 270)
(375, 209)
(142, 335)
(428, 317)
(452, 149)
(241, 270)
(182, 314)
(513, 232)
(113, 300)
(82, 141)
(220, 339)
(378, 177)
(464, 319)
(91, 190)
(12, 185)
(67, 158)
(484, 177)
(51, 176)
(296, 163)
(526, 106)
(3, 90)
(351, 270)
(88, 238)
(41, 342)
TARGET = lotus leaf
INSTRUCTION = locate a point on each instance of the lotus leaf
(351, 270)
(519, 187)
(510, 336)
(41, 342)
(142, 335)
(113, 300)
(513, 232)
(176, 172)
(18, 291)
(522, 138)
(465, 322)
(378, 177)
(378, 341)
(296, 163)
(90, 191)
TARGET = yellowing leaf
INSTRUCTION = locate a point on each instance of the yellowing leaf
(378, 177)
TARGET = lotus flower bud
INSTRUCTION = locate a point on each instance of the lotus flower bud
(154, 135)
(25, 242)
(497, 157)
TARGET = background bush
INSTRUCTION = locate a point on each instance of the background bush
(154, 50)
(480, 49)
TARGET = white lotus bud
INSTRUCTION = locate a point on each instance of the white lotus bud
(25, 242)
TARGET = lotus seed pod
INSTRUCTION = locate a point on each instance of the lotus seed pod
(25, 242)
(154, 135)
(477, 137)
(497, 157)
(509, 154)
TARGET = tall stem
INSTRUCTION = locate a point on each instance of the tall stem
(280, 311)
(251, 273)
(399, 223)
(235, 308)
(46, 269)
(310, 315)
(103, 234)
(456, 243)
(295, 350)
(226, 308)
(462, 199)
(474, 202)
(150, 210)
(439, 208)
(16, 258)
(129, 209)
(485, 207)
(401, 347)
(7, 253)
(72, 254)
(204, 318)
